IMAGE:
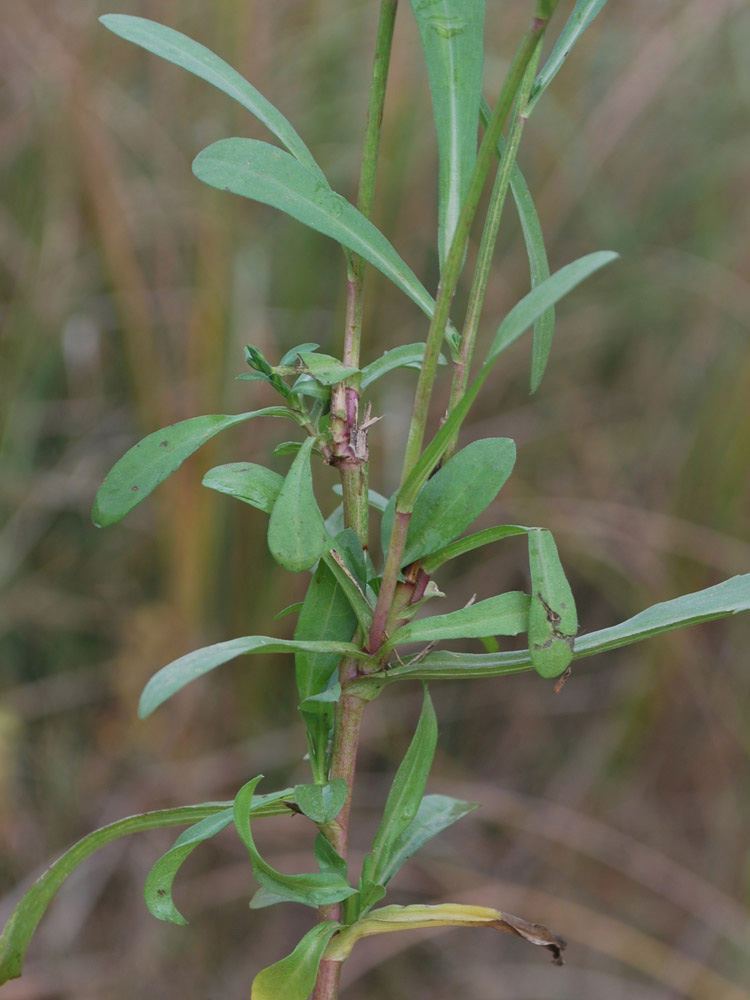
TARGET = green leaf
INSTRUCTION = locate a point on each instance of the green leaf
(296, 533)
(202, 62)
(322, 803)
(287, 448)
(325, 369)
(454, 497)
(148, 463)
(333, 606)
(451, 33)
(405, 795)
(158, 888)
(350, 586)
(290, 609)
(264, 173)
(369, 893)
(544, 325)
(539, 299)
(435, 814)
(325, 613)
(307, 386)
(33, 904)
(469, 543)
(312, 889)
(521, 316)
(406, 356)
(331, 694)
(172, 678)
(253, 484)
(290, 357)
(553, 621)
(506, 614)
(293, 978)
(727, 598)
(581, 17)
(263, 898)
(329, 860)
(349, 547)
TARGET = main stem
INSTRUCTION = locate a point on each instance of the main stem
(354, 477)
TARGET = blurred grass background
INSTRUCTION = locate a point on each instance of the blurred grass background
(618, 812)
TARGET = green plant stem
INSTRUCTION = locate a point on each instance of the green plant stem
(439, 322)
(462, 365)
(343, 765)
(327, 983)
(368, 169)
(389, 581)
(354, 475)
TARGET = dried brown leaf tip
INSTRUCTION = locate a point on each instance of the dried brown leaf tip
(535, 934)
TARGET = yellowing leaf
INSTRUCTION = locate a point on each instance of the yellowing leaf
(403, 918)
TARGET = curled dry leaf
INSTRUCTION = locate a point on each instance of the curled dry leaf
(535, 934)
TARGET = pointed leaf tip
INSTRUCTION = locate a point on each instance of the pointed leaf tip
(194, 57)
(157, 456)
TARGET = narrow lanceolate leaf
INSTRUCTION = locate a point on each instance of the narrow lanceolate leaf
(544, 325)
(312, 889)
(580, 18)
(402, 918)
(454, 497)
(451, 34)
(506, 614)
(296, 533)
(293, 978)
(519, 319)
(156, 457)
(553, 621)
(545, 295)
(405, 356)
(322, 803)
(33, 905)
(253, 484)
(202, 62)
(470, 542)
(405, 795)
(435, 814)
(182, 671)
(267, 174)
(158, 888)
(727, 598)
